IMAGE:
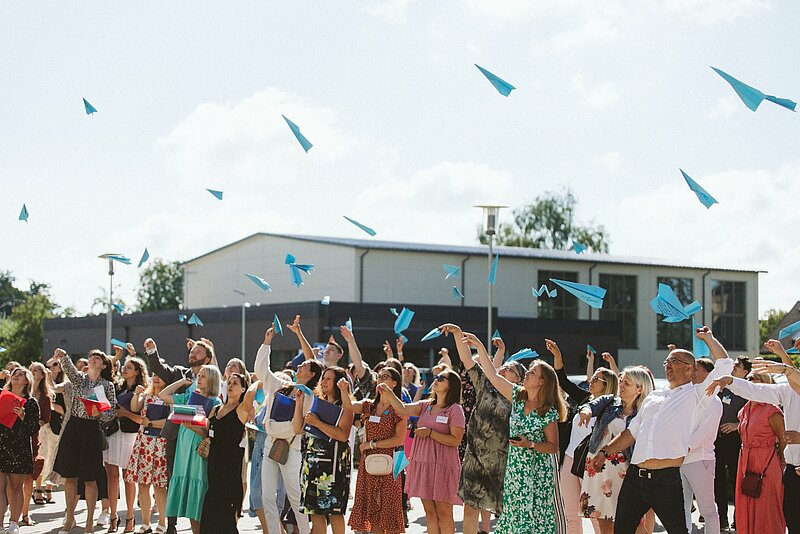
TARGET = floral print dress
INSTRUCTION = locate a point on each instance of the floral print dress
(529, 486)
(600, 489)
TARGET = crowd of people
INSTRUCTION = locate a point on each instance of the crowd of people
(519, 444)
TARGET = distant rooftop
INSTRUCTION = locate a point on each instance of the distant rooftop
(514, 252)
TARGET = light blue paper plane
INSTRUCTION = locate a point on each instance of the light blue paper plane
(502, 86)
(403, 320)
(122, 259)
(789, 351)
(260, 282)
(699, 347)
(523, 354)
(306, 268)
(305, 143)
(181, 317)
(457, 294)
(493, 271)
(367, 229)
(23, 214)
(496, 334)
(702, 195)
(88, 107)
(217, 194)
(591, 349)
(117, 343)
(433, 334)
(451, 270)
(349, 324)
(194, 319)
(276, 324)
(789, 330)
(289, 259)
(544, 291)
(578, 247)
(591, 295)
(326, 300)
(297, 278)
(394, 311)
(119, 307)
(751, 96)
(304, 388)
(666, 303)
(404, 338)
(400, 463)
(144, 258)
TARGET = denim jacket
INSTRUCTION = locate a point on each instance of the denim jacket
(611, 408)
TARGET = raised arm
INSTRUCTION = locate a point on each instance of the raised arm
(387, 350)
(347, 402)
(158, 366)
(776, 348)
(355, 354)
(136, 400)
(67, 366)
(166, 393)
(500, 353)
(246, 406)
(503, 386)
(413, 409)
(445, 358)
(400, 343)
(270, 382)
(464, 354)
(612, 363)
(578, 394)
(304, 345)
(791, 373)
(589, 364)
(718, 352)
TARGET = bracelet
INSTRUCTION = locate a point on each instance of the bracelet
(373, 444)
(604, 452)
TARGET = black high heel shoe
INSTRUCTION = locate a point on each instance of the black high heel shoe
(114, 525)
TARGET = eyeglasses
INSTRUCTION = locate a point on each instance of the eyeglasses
(671, 361)
(598, 379)
(385, 376)
(438, 378)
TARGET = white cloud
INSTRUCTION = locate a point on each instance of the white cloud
(725, 107)
(391, 10)
(591, 30)
(708, 12)
(610, 161)
(598, 97)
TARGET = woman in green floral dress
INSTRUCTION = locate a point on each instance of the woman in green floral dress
(536, 407)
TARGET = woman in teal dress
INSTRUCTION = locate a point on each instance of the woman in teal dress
(529, 486)
(189, 481)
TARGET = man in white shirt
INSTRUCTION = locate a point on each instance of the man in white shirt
(662, 432)
(697, 471)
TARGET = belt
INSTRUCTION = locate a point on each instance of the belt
(652, 473)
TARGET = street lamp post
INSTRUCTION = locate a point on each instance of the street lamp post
(490, 212)
(245, 305)
(110, 311)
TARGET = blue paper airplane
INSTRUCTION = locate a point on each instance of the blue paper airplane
(666, 303)
(789, 330)
(145, 257)
(404, 338)
(23, 214)
(276, 324)
(117, 343)
(217, 194)
(119, 307)
(502, 86)
(305, 143)
(523, 354)
(496, 334)
(578, 247)
(304, 388)
(493, 271)
(433, 334)
(181, 317)
(403, 320)
(260, 282)
(751, 96)
(326, 300)
(195, 320)
(699, 347)
(451, 270)
(591, 295)
(457, 294)
(289, 259)
(702, 195)
(120, 258)
(399, 464)
(789, 351)
(394, 311)
(349, 324)
(367, 229)
(295, 268)
(591, 349)
(88, 107)
(544, 291)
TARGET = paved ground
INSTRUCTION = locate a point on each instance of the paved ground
(50, 517)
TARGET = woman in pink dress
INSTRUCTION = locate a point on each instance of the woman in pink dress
(435, 466)
(761, 427)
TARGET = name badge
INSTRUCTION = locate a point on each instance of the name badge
(726, 399)
(158, 402)
(210, 432)
(374, 418)
(441, 419)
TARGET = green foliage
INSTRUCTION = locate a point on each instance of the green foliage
(769, 322)
(161, 286)
(10, 296)
(549, 222)
(21, 334)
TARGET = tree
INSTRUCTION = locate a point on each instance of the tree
(23, 331)
(10, 296)
(549, 222)
(161, 286)
(769, 322)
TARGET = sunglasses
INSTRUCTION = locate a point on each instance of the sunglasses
(598, 379)
(439, 378)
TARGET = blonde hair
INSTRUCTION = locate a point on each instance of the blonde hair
(611, 386)
(641, 377)
(213, 380)
(28, 376)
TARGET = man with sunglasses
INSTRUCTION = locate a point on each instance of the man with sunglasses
(661, 435)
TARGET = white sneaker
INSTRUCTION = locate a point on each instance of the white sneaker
(104, 519)
(13, 528)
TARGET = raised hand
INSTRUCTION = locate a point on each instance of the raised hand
(387, 349)
(553, 348)
(704, 333)
(268, 335)
(471, 339)
(608, 358)
(399, 344)
(149, 344)
(498, 344)
(295, 326)
(131, 349)
(721, 383)
(346, 333)
(775, 347)
(344, 385)
(450, 328)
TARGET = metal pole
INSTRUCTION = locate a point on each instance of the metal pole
(243, 330)
(489, 310)
(110, 314)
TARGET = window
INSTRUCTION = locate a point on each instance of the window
(728, 307)
(680, 333)
(563, 305)
(620, 305)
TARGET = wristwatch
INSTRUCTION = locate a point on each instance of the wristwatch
(604, 452)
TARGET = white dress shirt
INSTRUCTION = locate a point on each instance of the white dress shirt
(664, 423)
(704, 433)
(782, 394)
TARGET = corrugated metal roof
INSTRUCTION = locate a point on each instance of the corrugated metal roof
(513, 252)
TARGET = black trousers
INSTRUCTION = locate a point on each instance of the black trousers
(659, 489)
(726, 449)
(791, 499)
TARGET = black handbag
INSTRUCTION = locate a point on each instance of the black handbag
(110, 428)
(582, 451)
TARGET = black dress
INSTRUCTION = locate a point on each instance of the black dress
(16, 452)
(224, 495)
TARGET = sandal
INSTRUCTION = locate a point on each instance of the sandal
(38, 500)
(48, 496)
(129, 521)
(144, 529)
(160, 529)
(114, 524)
(27, 521)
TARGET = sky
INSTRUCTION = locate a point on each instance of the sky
(612, 98)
